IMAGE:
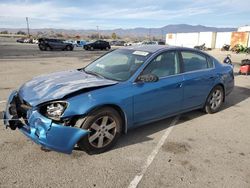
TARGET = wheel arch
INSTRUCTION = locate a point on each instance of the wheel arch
(218, 84)
(223, 87)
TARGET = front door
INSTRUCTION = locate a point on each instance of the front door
(155, 100)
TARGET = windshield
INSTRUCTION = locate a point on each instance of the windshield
(118, 65)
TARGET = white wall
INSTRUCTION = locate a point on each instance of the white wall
(208, 38)
(187, 39)
(223, 38)
(171, 39)
(249, 40)
(211, 39)
(244, 28)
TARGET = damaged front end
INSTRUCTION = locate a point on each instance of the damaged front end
(42, 130)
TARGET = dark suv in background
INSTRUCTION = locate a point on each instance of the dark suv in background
(99, 44)
(46, 44)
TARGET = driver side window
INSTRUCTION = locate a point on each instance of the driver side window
(163, 65)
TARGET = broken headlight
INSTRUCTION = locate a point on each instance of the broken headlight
(54, 110)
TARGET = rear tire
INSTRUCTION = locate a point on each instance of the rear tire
(105, 126)
(214, 100)
(42, 47)
(47, 48)
(68, 48)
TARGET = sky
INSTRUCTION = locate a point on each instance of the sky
(112, 14)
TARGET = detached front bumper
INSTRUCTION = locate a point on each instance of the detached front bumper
(42, 130)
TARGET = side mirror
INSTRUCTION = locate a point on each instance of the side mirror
(147, 78)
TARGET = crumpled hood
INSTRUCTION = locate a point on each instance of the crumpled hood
(57, 85)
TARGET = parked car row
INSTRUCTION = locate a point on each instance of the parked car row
(117, 43)
(77, 43)
(138, 43)
(46, 44)
(27, 40)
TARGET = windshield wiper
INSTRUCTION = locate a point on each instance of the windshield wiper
(98, 75)
(93, 73)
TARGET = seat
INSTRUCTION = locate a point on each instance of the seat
(166, 66)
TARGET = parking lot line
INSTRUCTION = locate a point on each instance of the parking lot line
(2, 102)
(134, 183)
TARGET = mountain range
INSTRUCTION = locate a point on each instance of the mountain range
(135, 32)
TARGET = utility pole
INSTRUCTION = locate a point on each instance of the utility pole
(97, 28)
(149, 34)
(28, 28)
(162, 34)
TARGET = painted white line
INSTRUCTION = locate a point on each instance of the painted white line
(134, 183)
(2, 102)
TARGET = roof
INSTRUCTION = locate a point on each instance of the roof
(149, 48)
(155, 48)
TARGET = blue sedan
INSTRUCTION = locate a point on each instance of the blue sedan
(128, 87)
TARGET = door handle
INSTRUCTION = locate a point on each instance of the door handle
(179, 85)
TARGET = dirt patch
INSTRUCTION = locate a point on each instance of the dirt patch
(43, 63)
(242, 154)
(191, 139)
(186, 164)
(78, 154)
(207, 161)
(176, 148)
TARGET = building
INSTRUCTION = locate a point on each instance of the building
(245, 28)
(210, 39)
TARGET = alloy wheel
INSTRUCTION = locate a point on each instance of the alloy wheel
(216, 99)
(102, 132)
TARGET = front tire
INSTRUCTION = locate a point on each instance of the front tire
(214, 100)
(105, 126)
(69, 48)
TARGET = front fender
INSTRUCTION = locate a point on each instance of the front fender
(82, 104)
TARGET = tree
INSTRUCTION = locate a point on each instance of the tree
(113, 36)
(21, 33)
(93, 36)
(4, 32)
(59, 35)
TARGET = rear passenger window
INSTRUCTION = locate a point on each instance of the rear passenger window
(193, 61)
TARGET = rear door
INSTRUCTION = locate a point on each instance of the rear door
(199, 78)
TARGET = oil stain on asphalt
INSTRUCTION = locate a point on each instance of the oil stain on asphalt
(176, 147)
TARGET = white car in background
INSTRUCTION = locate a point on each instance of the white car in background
(35, 41)
(136, 43)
